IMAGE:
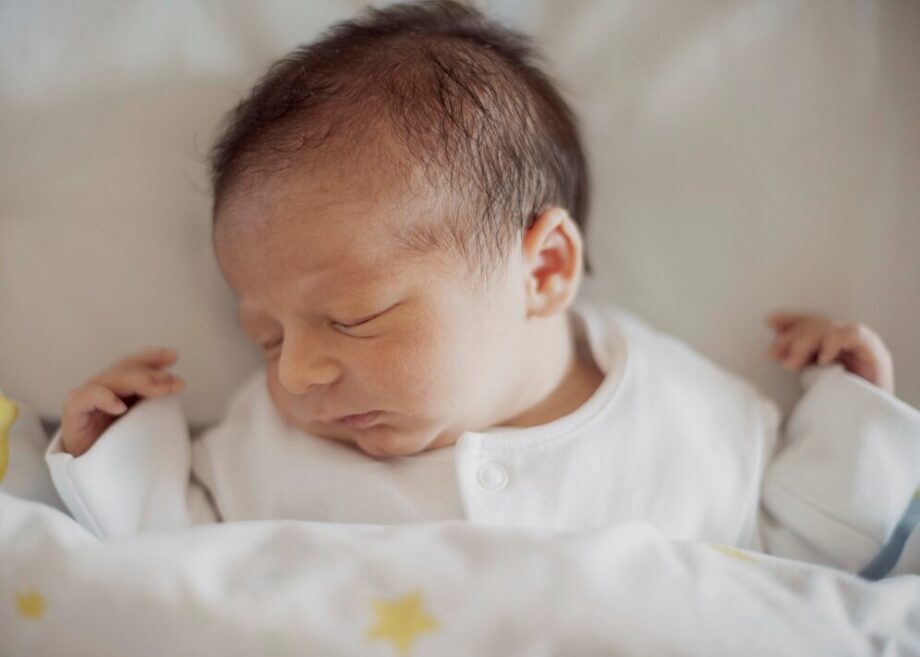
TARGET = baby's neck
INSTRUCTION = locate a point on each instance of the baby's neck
(573, 378)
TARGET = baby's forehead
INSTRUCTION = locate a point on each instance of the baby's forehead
(345, 278)
(330, 239)
(338, 209)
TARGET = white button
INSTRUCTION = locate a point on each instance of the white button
(493, 476)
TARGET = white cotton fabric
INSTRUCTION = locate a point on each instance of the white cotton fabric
(668, 438)
(286, 588)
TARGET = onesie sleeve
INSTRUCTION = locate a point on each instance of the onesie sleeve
(845, 472)
(136, 478)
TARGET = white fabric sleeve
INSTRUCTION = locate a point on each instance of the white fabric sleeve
(845, 472)
(136, 477)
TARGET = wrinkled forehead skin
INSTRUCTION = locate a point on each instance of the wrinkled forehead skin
(337, 224)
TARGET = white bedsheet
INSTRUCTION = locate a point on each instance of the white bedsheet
(301, 588)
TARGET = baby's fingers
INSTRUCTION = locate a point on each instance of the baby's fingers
(850, 338)
(831, 348)
(141, 381)
(88, 398)
(782, 321)
(89, 410)
(781, 344)
(154, 357)
(130, 378)
(799, 348)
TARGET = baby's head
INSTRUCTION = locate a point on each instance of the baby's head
(399, 209)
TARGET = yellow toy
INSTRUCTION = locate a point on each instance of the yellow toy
(8, 415)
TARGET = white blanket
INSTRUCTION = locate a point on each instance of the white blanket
(300, 588)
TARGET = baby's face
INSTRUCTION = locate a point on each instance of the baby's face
(367, 342)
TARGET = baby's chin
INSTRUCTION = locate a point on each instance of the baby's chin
(386, 447)
(382, 441)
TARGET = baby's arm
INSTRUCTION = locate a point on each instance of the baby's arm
(848, 466)
(850, 461)
(121, 461)
(803, 339)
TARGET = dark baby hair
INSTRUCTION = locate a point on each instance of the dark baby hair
(450, 91)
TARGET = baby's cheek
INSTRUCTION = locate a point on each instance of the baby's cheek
(429, 372)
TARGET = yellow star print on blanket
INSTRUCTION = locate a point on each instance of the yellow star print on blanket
(732, 552)
(8, 415)
(31, 605)
(401, 621)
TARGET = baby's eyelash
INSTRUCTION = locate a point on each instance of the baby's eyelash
(354, 324)
(268, 346)
(366, 319)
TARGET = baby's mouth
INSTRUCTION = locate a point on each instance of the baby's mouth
(360, 420)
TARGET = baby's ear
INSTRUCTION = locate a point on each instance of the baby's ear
(552, 256)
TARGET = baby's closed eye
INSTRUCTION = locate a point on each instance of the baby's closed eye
(270, 345)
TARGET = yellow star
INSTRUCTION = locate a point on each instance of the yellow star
(31, 605)
(400, 621)
(732, 552)
(8, 414)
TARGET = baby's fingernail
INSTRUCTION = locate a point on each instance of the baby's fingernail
(119, 407)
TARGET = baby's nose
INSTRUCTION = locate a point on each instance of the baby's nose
(300, 370)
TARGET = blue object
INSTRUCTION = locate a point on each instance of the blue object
(888, 556)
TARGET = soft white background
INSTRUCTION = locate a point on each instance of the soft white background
(746, 155)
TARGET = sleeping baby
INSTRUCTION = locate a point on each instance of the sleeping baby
(400, 209)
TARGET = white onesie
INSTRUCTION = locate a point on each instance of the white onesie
(668, 438)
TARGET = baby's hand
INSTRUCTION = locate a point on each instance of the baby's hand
(94, 406)
(807, 339)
